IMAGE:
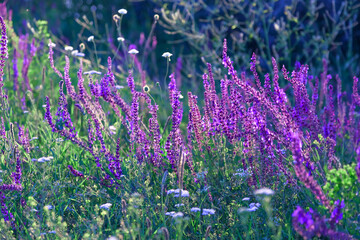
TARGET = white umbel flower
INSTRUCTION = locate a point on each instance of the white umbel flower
(264, 191)
(133, 51)
(122, 11)
(106, 206)
(69, 48)
(166, 55)
(91, 72)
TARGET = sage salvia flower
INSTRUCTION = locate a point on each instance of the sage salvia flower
(51, 58)
(310, 224)
(75, 172)
(3, 53)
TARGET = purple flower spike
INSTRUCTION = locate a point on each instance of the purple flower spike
(75, 172)
(3, 52)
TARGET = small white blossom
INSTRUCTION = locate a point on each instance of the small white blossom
(170, 213)
(178, 214)
(122, 11)
(174, 214)
(69, 48)
(121, 39)
(195, 209)
(133, 51)
(106, 206)
(90, 39)
(112, 238)
(119, 87)
(252, 209)
(264, 191)
(44, 106)
(112, 130)
(26, 112)
(79, 55)
(74, 52)
(49, 207)
(45, 159)
(91, 72)
(52, 45)
(179, 205)
(208, 212)
(246, 199)
(59, 140)
(166, 55)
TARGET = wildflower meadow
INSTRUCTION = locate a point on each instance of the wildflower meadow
(216, 120)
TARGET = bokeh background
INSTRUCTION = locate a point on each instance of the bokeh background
(301, 30)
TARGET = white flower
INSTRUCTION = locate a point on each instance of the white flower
(49, 207)
(119, 87)
(112, 130)
(246, 199)
(26, 112)
(264, 191)
(166, 55)
(195, 209)
(133, 51)
(179, 205)
(178, 214)
(69, 48)
(112, 238)
(170, 213)
(90, 39)
(45, 159)
(52, 45)
(34, 210)
(122, 11)
(106, 206)
(79, 55)
(74, 52)
(59, 140)
(121, 39)
(184, 193)
(91, 72)
(208, 211)
(44, 106)
(252, 209)
(174, 214)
